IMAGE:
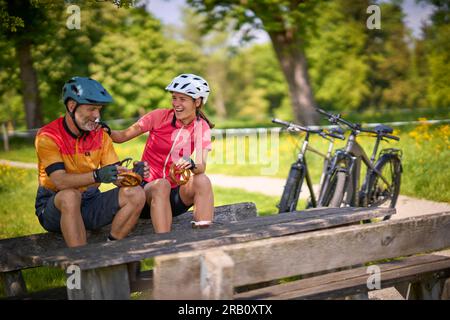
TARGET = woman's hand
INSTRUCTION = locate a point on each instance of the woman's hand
(184, 164)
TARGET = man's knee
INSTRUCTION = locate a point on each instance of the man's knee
(67, 198)
(135, 195)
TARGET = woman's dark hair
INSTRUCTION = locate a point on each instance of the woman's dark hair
(201, 114)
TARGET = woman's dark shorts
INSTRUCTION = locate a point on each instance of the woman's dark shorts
(177, 205)
(97, 208)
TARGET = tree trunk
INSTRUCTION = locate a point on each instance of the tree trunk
(30, 90)
(221, 110)
(290, 54)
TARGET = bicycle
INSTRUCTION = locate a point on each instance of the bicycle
(299, 169)
(381, 185)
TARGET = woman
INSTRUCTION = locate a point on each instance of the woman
(174, 135)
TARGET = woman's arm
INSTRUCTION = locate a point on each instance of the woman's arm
(120, 136)
(200, 162)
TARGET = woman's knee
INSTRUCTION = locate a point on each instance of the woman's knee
(159, 188)
(201, 181)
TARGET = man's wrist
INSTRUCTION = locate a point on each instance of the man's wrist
(96, 176)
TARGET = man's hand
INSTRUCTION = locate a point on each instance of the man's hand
(106, 174)
(141, 168)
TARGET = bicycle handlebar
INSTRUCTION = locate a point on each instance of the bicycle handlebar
(284, 123)
(391, 137)
(320, 132)
(335, 135)
(291, 125)
(335, 118)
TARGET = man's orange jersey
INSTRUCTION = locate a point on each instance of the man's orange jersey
(58, 148)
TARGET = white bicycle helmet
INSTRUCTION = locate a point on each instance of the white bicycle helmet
(190, 84)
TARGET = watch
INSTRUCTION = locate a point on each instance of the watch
(193, 166)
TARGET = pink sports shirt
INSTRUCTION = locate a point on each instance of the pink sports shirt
(167, 143)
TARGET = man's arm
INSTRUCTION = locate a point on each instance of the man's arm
(63, 180)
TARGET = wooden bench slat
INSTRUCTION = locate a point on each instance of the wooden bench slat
(147, 246)
(305, 253)
(24, 252)
(348, 282)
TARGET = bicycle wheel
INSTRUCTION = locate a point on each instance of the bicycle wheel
(382, 194)
(291, 192)
(334, 193)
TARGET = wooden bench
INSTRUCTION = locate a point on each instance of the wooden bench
(26, 251)
(221, 272)
(104, 266)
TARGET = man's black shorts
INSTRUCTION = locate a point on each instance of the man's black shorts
(97, 208)
(176, 204)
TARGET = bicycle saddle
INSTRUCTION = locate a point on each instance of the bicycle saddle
(383, 129)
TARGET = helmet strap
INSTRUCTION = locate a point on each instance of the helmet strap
(72, 115)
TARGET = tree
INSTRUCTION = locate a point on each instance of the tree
(256, 83)
(212, 58)
(31, 27)
(390, 61)
(283, 20)
(437, 49)
(29, 24)
(336, 54)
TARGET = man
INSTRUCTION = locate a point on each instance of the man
(75, 156)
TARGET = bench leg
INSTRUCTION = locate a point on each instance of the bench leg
(134, 269)
(13, 283)
(430, 288)
(216, 276)
(109, 283)
(446, 290)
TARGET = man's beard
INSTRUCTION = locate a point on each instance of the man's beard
(87, 125)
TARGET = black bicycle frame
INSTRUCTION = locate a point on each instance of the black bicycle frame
(357, 154)
(301, 160)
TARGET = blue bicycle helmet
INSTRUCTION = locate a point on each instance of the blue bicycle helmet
(85, 91)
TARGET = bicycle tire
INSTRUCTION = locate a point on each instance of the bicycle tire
(376, 193)
(291, 191)
(334, 193)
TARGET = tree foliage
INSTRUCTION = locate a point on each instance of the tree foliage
(350, 66)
